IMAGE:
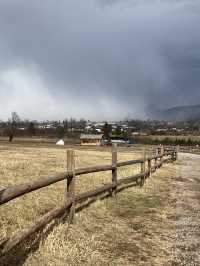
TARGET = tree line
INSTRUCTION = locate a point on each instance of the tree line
(15, 126)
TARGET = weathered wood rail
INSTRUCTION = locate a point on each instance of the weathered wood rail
(190, 149)
(148, 166)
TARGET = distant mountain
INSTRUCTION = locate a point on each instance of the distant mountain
(180, 113)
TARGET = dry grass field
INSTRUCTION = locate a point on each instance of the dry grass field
(172, 137)
(131, 229)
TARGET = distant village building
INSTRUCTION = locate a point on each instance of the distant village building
(91, 139)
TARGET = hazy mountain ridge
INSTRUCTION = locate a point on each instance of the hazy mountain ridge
(180, 113)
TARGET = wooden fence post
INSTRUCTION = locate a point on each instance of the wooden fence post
(162, 154)
(71, 182)
(149, 166)
(173, 154)
(177, 151)
(143, 164)
(114, 171)
(144, 161)
(156, 158)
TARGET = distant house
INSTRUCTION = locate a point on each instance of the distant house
(91, 139)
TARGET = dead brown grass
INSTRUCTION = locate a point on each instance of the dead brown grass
(19, 164)
(173, 137)
(118, 231)
(121, 231)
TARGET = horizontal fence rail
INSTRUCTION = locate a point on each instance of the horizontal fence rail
(190, 149)
(161, 156)
(13, 192)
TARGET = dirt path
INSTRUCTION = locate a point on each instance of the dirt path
(182, 241)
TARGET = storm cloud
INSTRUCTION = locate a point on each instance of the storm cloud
(98, 59)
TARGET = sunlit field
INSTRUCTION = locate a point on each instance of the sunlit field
(172, 137)
(115, 231)
(20, 164)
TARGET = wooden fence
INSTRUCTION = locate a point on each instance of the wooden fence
(149, 164)
(190, 149)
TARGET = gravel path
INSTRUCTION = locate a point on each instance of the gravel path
(182, 241)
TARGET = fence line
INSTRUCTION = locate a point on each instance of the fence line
(7, 194)
(190, 149)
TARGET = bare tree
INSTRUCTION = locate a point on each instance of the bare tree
(31, 129)
(107, 131)
(12, 125)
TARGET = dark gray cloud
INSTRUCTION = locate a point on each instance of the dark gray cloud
(98, 59)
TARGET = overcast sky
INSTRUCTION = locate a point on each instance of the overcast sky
(98, 59)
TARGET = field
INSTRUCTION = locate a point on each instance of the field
(184, 137)
(132, 229)
(171, 137)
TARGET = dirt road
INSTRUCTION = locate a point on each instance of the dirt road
(182, 241)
